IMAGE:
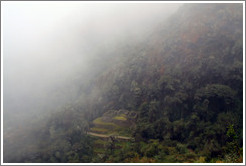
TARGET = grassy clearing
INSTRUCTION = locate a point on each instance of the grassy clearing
(111, 128)
(99, 121)
(99, 146)
(100, 142)
(99, 150)
(121, 117)
(100, 130)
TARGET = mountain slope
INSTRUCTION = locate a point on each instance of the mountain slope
(185, 83)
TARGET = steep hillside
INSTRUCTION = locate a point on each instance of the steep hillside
(183, 85)
(186, 81)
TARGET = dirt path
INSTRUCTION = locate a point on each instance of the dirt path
(107, 136)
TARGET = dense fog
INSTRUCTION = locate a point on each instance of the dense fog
(47, 46)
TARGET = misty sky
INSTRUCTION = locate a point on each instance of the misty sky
(45, 43)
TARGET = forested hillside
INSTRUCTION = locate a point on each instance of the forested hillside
(183, 84)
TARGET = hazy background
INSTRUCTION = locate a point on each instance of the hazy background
(47, 46)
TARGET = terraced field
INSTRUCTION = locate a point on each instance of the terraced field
(115, 126)
(114, 122)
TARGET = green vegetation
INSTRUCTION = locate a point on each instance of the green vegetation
(101, 130)
(120, 117)
(99, 121)
(109, 124)
(183, 92)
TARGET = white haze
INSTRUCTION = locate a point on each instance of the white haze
(47, 44)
